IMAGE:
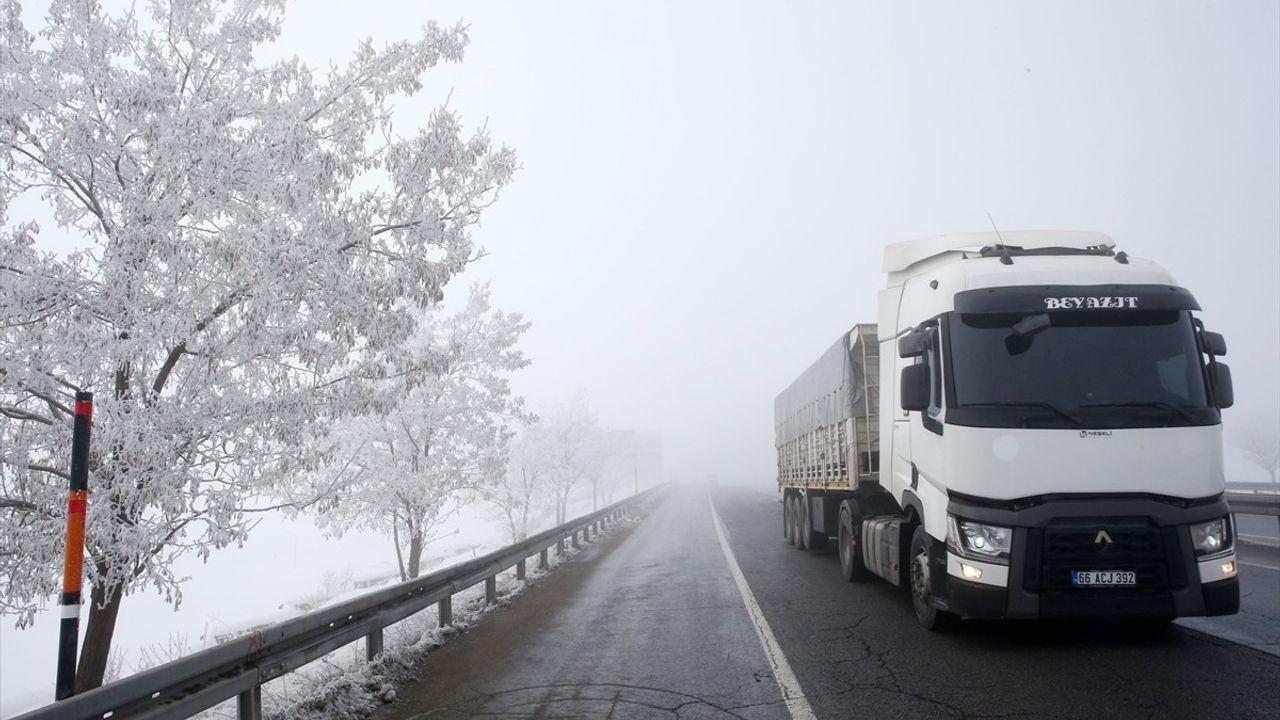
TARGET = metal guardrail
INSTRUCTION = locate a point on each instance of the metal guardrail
(1255, 502)
(238, 668)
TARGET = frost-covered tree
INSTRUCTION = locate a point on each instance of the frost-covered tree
(520, 493)
(571, 438)
(256, 239)
(448, 429)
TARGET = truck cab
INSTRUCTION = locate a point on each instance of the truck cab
(1050, 420)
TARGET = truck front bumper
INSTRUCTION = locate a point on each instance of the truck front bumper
(1146, 535)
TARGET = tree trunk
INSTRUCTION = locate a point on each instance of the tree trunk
(415, 553)
(511, 523)
(595, 503)
(395, 538)
(97, 638)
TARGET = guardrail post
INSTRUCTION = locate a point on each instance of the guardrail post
(542, 560)
(491, 590)
(249, 704)
(560, 546)
(445, 608)
(575, 540)
(373, 645)
(520, 571)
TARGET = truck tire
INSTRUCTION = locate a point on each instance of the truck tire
(929, 617)
(813, 541)
(849, 537)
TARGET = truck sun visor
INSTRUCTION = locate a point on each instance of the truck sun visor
(1041, 298)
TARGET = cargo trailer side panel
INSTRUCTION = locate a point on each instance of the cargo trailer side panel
(826, 424)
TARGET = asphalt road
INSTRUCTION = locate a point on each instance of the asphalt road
(649, 623)
(1259, 529)
(1258, 623)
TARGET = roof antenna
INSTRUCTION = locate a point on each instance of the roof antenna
(1005, 259)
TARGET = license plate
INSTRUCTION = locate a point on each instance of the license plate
(1081, 578)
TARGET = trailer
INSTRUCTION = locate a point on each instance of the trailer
(1032, 429)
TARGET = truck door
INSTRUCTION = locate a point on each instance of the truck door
(925, 428)
(900, 467)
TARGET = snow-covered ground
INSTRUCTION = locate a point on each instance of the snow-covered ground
(286, 568)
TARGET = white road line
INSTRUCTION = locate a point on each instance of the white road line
(1258, 565)
(792, 694)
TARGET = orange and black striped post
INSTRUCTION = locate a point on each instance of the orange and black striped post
(73, 565)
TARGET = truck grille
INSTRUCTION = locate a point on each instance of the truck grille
(1135, 545)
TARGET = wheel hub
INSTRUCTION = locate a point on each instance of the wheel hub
(920, 577)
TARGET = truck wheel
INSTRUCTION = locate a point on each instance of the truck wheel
(930, 617)
(813, 540)
(851, 566)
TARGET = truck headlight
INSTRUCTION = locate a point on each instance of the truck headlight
(1210, 538)
(978, 540)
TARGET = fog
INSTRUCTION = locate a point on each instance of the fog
(706, 191)
(707, 188)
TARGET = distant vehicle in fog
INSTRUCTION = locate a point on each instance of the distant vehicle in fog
(1031, 430)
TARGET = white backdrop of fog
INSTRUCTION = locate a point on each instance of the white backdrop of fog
(707, 188)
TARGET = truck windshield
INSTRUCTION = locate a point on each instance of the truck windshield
(1106, 368)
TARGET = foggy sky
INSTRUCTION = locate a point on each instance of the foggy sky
(707, 187)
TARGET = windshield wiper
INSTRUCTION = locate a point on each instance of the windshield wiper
(1032, 403)
(1151, 404)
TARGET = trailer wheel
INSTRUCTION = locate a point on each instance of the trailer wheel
(851, 565)
(813, 540)
(930, 617)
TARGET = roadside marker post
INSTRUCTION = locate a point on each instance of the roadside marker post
(73, 562)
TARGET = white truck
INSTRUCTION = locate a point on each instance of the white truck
(1031, 430)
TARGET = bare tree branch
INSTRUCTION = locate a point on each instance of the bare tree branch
(17, 413)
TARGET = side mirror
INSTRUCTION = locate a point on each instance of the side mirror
(1220, 378)
(913, 344)
(1213, 343)
(915, 387)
